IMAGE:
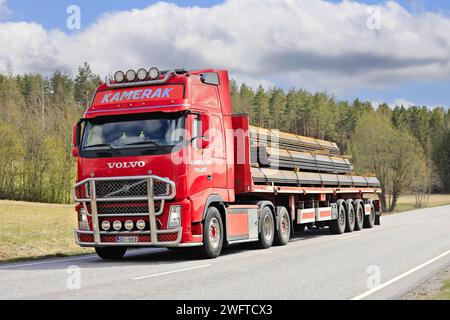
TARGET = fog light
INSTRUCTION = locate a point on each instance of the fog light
(140, 224)
(129, 225)
(117, 225)
(83, 220)
(154, 73)
(174, 217)
(106, 225)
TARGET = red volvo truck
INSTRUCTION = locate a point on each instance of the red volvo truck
(163, 162)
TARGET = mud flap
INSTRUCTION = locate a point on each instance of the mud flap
(378, 219)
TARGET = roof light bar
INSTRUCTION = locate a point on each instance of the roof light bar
(131, 78)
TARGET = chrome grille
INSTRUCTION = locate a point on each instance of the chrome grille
(128, 188)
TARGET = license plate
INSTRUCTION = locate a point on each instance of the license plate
(127, 239)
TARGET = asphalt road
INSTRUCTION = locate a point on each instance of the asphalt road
(382, 263)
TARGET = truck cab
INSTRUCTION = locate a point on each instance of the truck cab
(151, 154)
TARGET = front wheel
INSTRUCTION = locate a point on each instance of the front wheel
(111, 253)
(212, 235)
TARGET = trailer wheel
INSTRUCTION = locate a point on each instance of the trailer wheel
(351, 217)
(283, 233)
(369, 221)
(212, 235)
(359, 215)
(267, 229)
(338, 226)
(111, 253)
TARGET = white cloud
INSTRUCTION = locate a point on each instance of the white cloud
(402, 102)
(4, 10)
(310, 43)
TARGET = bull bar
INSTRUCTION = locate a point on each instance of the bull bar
(93, 199)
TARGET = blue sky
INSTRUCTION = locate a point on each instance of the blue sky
(423, 90)
(51, 13)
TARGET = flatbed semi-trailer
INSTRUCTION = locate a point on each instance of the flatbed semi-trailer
(162, 161)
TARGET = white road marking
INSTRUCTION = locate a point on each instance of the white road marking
(170, 272)
(352, 236)
(403, 275)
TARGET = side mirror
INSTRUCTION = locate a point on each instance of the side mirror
(76, 134)
(76, 139)
(75, 152)
(203, 143)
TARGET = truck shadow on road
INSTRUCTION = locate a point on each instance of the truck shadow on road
(154, 256)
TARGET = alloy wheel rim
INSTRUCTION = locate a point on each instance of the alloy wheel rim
(214, 233)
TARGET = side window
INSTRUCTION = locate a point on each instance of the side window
(196, 130)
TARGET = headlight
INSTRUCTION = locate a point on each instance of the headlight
(154, 73)
(131, 75)
(119, 76)
(174, 217)
(83, 219)
(142, 74)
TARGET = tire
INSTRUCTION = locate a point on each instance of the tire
(369, 221)
(338, 226)
(283, 232)
(350, 217)
(111, 253)
(359, 214)
(213, 235)
(267, 228)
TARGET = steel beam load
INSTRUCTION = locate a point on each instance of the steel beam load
(287, 159)
(289, 141)
(304, 161)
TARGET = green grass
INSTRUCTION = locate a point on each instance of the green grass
(443, 295)
(408, 202)
(35, 230)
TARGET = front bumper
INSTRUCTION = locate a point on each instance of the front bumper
(98, 195)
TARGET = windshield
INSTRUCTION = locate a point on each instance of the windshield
(155, 133)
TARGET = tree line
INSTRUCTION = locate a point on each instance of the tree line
(408, 148)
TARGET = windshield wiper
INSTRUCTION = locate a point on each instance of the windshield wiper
(145, 142)
(99, 146)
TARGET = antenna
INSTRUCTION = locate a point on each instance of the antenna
(184, 62)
